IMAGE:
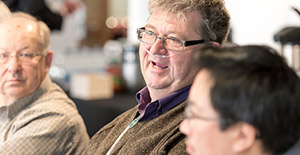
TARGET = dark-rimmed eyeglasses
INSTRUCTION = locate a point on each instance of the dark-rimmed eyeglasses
(170, 43)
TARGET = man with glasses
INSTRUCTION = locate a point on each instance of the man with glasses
(174, 31)
(36, 116)
(245, 100)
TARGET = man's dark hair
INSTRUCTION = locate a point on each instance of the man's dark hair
(254, 84)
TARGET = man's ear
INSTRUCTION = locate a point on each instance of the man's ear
(48, 59)
(244, 136)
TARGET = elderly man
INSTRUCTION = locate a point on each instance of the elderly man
(36, 116)
(245, 100)
(174, 31)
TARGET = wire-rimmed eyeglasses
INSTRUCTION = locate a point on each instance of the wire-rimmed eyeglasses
(170, 43)
(190, 116)
(25, 57)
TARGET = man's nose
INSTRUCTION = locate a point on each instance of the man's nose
(158, 47)
(13, 63)
(183, 127)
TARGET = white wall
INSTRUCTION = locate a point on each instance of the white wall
(117, 8)
(256, 21)
(137, 17)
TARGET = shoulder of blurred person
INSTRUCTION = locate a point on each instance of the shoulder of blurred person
(39, 116)
(4, 11)
(38, 9)
(173, 32)
(253, 89)
(63, 7)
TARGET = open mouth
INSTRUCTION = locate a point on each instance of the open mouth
(159, 66)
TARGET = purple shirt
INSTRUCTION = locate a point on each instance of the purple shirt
(158, 107)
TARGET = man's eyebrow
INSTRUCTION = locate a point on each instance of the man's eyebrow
(169, 32)
(194, 105)
(150, 26)
(23, 48)
(3, 49)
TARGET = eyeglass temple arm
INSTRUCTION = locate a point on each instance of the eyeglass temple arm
(193, 42)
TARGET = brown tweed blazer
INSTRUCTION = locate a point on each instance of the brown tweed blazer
(158, 136)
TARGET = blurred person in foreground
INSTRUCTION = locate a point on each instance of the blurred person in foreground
(173, 32)
(4, 10)
(244, 100)
(36, 116)
(51, 12)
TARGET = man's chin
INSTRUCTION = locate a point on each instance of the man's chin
(15, 93)
(157, 84)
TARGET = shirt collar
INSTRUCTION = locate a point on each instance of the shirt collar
(160, 106)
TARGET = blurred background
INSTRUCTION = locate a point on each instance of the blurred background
(96, 49)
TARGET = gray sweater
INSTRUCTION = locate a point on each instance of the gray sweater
(156, 136)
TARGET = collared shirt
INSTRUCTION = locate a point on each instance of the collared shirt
(44, 122)
(158, 107)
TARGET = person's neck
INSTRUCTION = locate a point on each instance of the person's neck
(156, 94)
(4, 100)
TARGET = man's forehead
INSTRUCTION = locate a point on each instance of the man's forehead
(18, 32)
(19, 24)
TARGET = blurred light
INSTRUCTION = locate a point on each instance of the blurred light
(124, 22)
(111, 22)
